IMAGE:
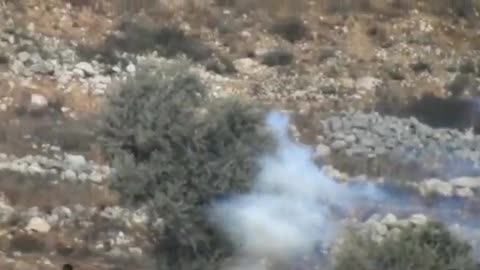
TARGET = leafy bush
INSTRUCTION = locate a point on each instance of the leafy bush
(428, 247)
(174, 147)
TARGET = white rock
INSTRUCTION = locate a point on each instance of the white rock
(98, 92)
(78, 72)
(374, 217)
(69, 175)
(95, 177)
(135, 251)
(75, 162)
(34, 168)
(331, 172)
(464, 192)
(466, 182)
(32, 212)
(117, 252)
(247, 66)
(38, 225)
(418, 219)
(87, 68)
(23, 56)
(64, 79)
(436, 186)
(338, 144)
(31, 27)
(389, 219)
(131, 68)
(6, 210)
(17, 67)
(62, 211)
(53, 219)
(83, 177)
(322, 151)
(377, 227)
(139, 218)
(348, 83)
(367, 83)
(38, 102)
(117, 69)
(402, 223)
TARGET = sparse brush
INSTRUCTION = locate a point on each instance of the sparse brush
(292, 29)
(177, 149)
(428, 247)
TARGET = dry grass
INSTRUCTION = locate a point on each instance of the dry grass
(28, 191)
(287, 7)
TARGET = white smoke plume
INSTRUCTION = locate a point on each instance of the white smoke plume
(292, 207)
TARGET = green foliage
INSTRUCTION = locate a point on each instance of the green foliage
(174, 147)
(428, 247)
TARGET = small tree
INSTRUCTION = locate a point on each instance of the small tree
(178, 150)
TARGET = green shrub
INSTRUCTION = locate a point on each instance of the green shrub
(429, 247)
(174, 147)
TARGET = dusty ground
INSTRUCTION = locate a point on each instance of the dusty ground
(336, 62)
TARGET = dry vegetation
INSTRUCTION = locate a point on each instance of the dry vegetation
(286, 7)
(285, 19)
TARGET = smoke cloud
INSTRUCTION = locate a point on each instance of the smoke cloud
(294, 208)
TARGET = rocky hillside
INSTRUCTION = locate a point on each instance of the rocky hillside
(385, 91)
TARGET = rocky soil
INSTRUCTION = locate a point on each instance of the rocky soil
(354, 83)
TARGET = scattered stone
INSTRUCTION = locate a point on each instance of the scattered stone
(135, 251)
(43, 68)
(118, 253)
(23, 56)
(436, 186)
(17, 67)
(69, 175)
(454, 153)
(464, 192)
(368, 84)
(131, 68)
(247, 66)
(85, 68)
(62, 212)
(333, 173)
(338, 144)
(466, 182)
(418, 219)
(38, 224)
(322, 151)
(96, 178)
(21, 265)
(38, 103)
(75, 162)
(6, 210)
(389, 219)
